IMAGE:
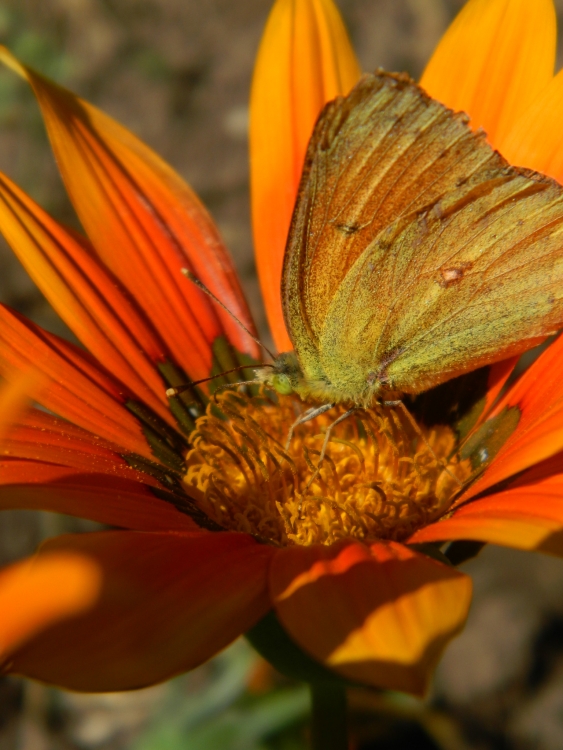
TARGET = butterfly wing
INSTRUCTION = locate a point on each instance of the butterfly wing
(416, 252)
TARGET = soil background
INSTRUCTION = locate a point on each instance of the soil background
(177, 72)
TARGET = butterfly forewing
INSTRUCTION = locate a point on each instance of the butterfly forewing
(416, 252)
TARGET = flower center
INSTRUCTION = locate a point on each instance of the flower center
(381, 477)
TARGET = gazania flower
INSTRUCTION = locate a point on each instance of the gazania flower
(217, 522)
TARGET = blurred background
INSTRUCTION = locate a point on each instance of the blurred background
(177, 72)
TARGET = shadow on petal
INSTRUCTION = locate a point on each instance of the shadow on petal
(167, 603)
(380, 615)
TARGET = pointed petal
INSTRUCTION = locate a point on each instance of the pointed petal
(535, 139)
(75, 388)
(168, 603)
(86, 297)
(305, 60)
(379, 614)
(538, 396)
(498, 375)
(37, 593)
(493, 61)
(145, 224)
(526, 516)
(15, 395)
(39, 436)
(35, 485)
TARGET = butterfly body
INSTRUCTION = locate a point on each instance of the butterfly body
(416, 252)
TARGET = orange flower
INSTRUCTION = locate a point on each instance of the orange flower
(217, 523)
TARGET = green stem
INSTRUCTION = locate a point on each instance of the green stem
(328, 716)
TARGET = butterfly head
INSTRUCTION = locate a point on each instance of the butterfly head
(284, 375)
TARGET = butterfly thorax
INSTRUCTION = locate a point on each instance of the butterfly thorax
(286, 376)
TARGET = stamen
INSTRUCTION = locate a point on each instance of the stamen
(381, 476)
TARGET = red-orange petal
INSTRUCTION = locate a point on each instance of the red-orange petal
(498, 375)
(115, 501)
(305, 60)
(538, 395)
(15, 394)
(37, 593)
(493, 61)
(39, 436)
(535, 139)
(145, 223)
(168, 602)
(526, 516)
(74, 387)
(86, 297)
(380, 614)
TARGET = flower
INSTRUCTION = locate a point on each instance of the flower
(217, 523)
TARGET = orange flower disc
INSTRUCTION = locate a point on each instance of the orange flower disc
(380, 479)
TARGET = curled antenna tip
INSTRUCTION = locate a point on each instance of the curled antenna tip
(171, 392)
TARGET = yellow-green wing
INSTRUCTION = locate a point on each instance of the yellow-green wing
(415, 253)
(473, 279)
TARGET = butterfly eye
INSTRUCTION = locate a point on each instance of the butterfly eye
(282, 384)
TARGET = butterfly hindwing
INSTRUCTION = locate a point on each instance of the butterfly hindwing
(416, 252)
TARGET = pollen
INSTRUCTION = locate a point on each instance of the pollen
(382, 476)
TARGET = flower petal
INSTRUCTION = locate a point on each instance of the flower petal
(50, 464)
(15, 395)
(86, 297)
(115, 501)
(498, 375)
(68, 470)
(36, 593)
(535, 139)
(168, 602)
(74, 387)
(526, 516)
(39, 436)
(493, 61)
(145, 224)
(305, 60)
(379, 614)
(538, 395)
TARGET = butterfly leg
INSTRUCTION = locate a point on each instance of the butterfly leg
(328, 432)
(330, 428)
(311, 413)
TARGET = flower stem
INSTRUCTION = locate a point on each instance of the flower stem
(328, 716)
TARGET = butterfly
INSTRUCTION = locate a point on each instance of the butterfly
(416, 253)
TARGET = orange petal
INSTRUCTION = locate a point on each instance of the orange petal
(535, 139)
(305, 60)
(114, 501)
(145, 223)
(527, 517)
(53, 465)
(86, 297)
(379, 614)
(493, 61)
(75, 388)
(39, 436)
(36, 593)
(168, 603)
(15, 395)
(498, 375)
(538, 395)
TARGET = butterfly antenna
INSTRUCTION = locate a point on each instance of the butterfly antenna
(201, 285)
(226, 386)
(176, 390)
